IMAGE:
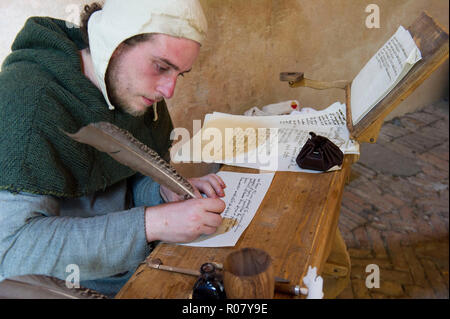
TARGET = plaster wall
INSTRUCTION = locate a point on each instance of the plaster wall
(252, 41)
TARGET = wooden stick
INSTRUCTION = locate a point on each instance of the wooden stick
(290, 289)
(157, 264)
(319, 85)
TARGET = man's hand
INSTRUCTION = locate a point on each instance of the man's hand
(211, 185)
(183, 221)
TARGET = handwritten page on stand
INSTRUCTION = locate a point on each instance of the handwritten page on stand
(383, 72)
(286, 136)
(243, 196)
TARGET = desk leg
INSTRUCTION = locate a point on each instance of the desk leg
(336, 271)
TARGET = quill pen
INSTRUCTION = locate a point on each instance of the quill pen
(127, 150)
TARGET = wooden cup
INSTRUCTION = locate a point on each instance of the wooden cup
(248, 274)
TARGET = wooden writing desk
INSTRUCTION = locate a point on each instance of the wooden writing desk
(296, 224)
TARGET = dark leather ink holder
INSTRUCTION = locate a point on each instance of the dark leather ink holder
(319, 154)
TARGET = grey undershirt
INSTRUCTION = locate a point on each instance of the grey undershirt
(42, 234)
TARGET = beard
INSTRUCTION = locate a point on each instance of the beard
(113, 88)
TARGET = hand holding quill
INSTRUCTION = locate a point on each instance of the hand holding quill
(127, 150)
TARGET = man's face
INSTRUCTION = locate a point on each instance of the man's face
(147, 72)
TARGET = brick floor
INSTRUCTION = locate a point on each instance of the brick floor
(400, 222)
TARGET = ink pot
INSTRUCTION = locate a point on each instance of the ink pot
(209, 286)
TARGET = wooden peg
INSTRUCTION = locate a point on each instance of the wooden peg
(297, 79)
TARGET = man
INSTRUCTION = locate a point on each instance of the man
(64, 204)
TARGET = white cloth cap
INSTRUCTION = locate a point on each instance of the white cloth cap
(120, 20)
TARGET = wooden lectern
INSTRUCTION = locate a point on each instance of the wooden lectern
(297, 222)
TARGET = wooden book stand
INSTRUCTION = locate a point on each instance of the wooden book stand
(431, 39)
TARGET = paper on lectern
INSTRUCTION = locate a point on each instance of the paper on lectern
(383, 72)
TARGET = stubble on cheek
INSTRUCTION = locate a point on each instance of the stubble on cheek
(121, 95)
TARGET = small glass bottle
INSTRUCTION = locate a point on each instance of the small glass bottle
(209, 285)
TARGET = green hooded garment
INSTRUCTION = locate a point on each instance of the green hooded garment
(43, 91)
